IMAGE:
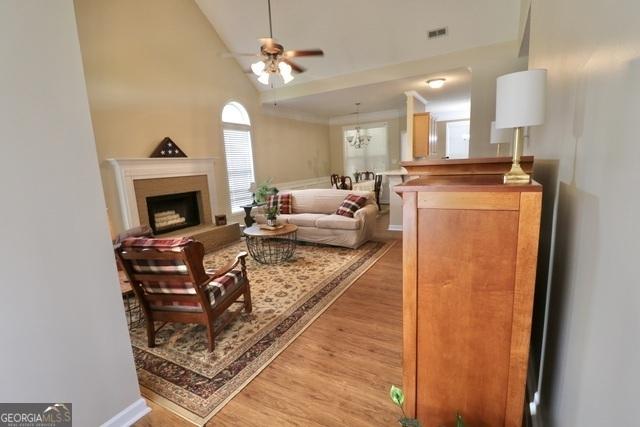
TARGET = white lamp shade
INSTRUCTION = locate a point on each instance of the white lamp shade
(264, 78)
(285, 72)
(258, 68)
(500, 136)
(520, 99)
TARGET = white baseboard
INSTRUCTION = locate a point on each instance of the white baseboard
(394, 227)
(129, 415)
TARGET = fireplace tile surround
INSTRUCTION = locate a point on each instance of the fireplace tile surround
(155, 187)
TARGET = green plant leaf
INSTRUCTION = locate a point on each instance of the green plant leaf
(264, 190)
(459, 420)
(397, 396)
(273, 211)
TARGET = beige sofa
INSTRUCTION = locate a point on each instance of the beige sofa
(314, 214)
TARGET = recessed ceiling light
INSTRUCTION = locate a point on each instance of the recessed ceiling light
(435, 83)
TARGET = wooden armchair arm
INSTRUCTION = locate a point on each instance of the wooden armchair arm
(239, 259)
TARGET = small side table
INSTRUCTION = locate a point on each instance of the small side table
(248, 219)
(271, 246)
(132, 309)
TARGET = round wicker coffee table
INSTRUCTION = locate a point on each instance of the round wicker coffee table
(271, 246)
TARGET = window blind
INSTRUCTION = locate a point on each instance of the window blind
(239, 156)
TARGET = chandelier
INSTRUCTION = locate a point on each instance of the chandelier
(360, 138)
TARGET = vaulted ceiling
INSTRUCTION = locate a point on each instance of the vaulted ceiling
(360, 36)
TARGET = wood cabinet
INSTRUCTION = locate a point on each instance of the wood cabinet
(423, 134)
(470, 249)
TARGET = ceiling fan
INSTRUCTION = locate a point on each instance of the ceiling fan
(275, 60)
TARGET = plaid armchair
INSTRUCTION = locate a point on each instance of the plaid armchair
(171, 284)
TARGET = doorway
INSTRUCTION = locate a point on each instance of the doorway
(458, 139)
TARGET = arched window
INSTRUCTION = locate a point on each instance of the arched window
(235, 113)
(238, 153)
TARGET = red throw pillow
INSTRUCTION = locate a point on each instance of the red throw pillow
(283, 200)
(351, 204)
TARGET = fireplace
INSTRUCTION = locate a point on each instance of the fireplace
(138, 179)
(170, 212)
(142, 180)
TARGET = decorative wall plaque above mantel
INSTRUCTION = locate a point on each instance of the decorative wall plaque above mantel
(168, 148)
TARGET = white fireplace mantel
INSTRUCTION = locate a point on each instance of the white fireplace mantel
(126, 171)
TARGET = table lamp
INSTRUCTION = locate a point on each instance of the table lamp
(252, 188)
(499, 136)
(520, 102)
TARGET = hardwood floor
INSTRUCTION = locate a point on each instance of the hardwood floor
(338, 372)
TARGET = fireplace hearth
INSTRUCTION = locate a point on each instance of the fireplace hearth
(170, 212)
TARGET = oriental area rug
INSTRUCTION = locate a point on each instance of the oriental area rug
(180, 375)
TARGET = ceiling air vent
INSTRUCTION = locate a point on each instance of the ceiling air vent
(438, 32)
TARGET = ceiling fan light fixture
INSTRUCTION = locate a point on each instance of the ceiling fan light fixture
(277, 65)
(287, 78)
(258, 68)
(264, 78)
(435, 83)
(285, 72)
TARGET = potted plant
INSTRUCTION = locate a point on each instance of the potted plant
(264, 190)
(397, 397)
(271, 213)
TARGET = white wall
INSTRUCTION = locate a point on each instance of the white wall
(589, 151)
(64, 336)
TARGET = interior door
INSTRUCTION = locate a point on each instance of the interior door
(458, 139)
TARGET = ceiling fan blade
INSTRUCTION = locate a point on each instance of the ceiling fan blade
(295, 67)
(307, 52)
